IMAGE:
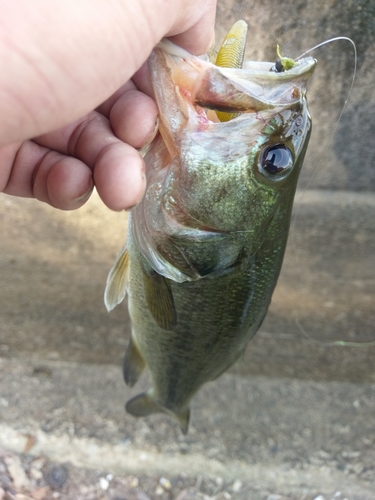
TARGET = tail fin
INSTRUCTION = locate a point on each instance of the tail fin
(144, 404)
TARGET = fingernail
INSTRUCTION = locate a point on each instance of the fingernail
(86, 195)
(144, 182)
(152, 136)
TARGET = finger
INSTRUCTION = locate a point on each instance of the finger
(62, 181)
(199, 38)
(34, 171)
(142, 80)
(121, 178)
(134, 118)
(106, 106)
(133, 114)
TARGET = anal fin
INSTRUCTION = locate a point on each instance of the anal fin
(134, 364)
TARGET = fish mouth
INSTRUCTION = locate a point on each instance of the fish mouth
(253, 88)
(187, 88)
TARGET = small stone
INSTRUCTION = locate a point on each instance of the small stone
(36, 473)
(134, 483)
(165, 483)
(141, 495)
(219, 481)
(159, 490)
(109, 477)
(17, 472)
(30, 442)
(5, 481)
(56, 476)
(319, 497)
(40, 493)
(183, 495)
(104, 483)
(237, 485)
(38, 463)
(227, 495)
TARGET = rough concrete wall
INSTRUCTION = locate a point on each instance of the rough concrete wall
(347, 160)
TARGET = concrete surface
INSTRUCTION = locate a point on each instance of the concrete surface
(294, 419)
(54, 267)
(345, 158)
(282, 436)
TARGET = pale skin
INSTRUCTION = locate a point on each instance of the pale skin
(75, 98)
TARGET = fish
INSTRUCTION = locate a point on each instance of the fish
(205, 245)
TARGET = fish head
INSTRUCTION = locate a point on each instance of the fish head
(229, 176)
(216, 188)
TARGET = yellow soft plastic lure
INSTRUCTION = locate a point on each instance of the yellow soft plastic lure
(231, 55)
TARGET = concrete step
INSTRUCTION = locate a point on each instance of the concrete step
(53, 267)
(283, 436)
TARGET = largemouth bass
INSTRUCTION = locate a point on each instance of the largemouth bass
(206, 244)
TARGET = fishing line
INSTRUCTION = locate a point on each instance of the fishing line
(335, 342)
(303, 331)
(338, 38)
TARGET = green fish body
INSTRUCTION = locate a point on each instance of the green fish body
(206, 244)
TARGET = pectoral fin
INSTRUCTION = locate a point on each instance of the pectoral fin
(159, 299)
(117, 281)
(134, 364)
(143, 405)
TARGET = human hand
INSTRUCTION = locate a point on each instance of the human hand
(75, 109)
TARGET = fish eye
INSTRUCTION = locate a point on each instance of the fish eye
(275, 161)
